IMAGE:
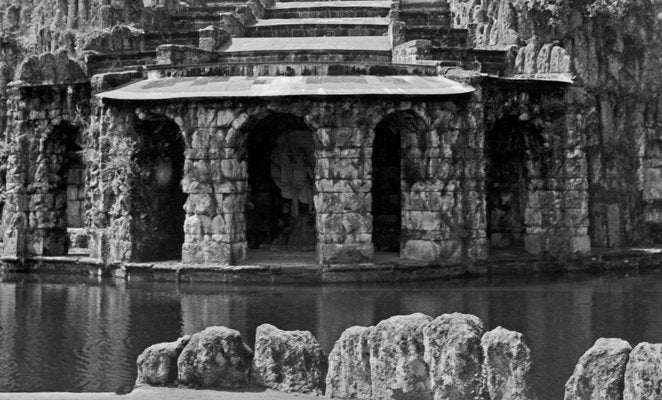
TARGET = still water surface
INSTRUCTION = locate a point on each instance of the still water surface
(80, 334)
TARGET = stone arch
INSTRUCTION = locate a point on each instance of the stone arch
(59, 183)
(398, 163)
(278, 147)
(159, 204)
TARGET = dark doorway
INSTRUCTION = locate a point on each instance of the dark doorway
(161, 164)
(386, 190)
(507, 182)
(71, 187)
(280, 214)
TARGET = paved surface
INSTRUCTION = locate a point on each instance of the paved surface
(153, 393)
(323, 4)
(364, 43)
(322, 21)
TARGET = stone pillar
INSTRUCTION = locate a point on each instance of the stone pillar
(108, 184)
(215, 177)
(443, 215)
(342, 180)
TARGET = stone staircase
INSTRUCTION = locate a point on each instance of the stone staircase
(294, 37)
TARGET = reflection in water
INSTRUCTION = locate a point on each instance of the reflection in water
(76, 334)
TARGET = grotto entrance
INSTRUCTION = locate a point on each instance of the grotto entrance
(280, 214)
(71, 187)
(508, 180)
(161, 214)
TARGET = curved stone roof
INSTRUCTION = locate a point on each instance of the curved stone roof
(275, 86)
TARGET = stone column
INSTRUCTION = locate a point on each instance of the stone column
(342, 181)
(109, 179)
(443, 215)
(215, 177)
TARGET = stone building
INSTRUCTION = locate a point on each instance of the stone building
(344, 129)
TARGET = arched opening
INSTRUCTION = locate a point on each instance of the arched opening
(159, 229)
(511, 147)
(386, 193)
(280, 213)
(65, 140)
(398, 150)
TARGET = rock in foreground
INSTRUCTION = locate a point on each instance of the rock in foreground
(291, 361)
(599, 372)
(349, 365)
(157, 365)
(643, 374)
(507, 365)
(215, 358)
(454, 355)
(397, 367)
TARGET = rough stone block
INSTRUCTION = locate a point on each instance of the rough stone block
(600, 371)
(290, 361)
(507, 365)
(580, 244)
(215, 358)
(349, 365)
(643, 374)
(353, 253)
(157, 364)
(425, 250)
(397, 366)
(454, 356)
(533, 244)
(344, 223)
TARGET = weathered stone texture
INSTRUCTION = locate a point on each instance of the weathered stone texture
(397, 366)
(454, 356)
(349, 365)
(599, 372)
(507, 365)
(290, 361)
(643, 374)
(157, 364)
(215, 358)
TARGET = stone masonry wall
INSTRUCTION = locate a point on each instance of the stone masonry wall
(612, 49)
(444, 219)
(556, 215)
(34, 215)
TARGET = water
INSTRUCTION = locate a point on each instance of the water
(84, 334)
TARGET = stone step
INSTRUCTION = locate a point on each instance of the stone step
(310, 27)
(329, 9)
(349, 49)
(214, 4)
(183, 22)
(98, 63)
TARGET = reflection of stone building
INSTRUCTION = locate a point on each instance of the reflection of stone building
(340, 127)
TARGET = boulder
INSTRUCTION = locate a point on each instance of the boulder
(290, 361)
(643, 374)
(599, 371)
(349, 365)
(215, 358)
(157, 365)
(507, 365)
(397, 367)
(454, 355)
